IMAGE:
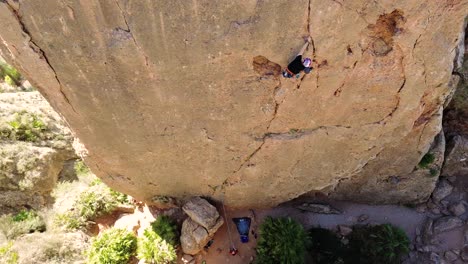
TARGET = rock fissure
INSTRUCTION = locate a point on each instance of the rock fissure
(358, 170)
(128, 30)
(38, 50)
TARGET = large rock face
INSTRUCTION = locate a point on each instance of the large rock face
(182, 98)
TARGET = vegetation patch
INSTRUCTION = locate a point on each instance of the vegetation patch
(9, 74)
(25, 127)
(24, 222)
(152, 248)
(112, 246)
(97, 201)
(325, 247)
(426, 160)
(81, 169)
(167, 229)
(384, 244)
(7, 254)
(282, 240)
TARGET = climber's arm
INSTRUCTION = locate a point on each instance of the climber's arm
(304, 47)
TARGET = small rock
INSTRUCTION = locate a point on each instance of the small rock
(445, 211)
(431, 205)
(435, 211)
(447, 223)
(457, 209)
(318, 208)
(466, 237)
(187, 258)
(427, 230)
(443, 189)
(444, 203)
(418, 240)
(421, 208)
(344, 230)
(435, 257)
(451, 179)
(363, 218)
(427, 248)
(450, 256)
(464, 253)
(456, 157)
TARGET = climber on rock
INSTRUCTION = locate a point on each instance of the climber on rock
(298, 64)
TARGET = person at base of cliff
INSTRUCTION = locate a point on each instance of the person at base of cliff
(298, 64)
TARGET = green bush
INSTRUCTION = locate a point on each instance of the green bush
(24, 222)
(113, 246)
(153, 249)
(81, 169)
(426, 160)
(282, 240)
(167, 229)
(10, 74)
(383, 244)
(325, 247)
(70, 221)
(26, 127)
(97, 201)
(93, 204)
(7, 255)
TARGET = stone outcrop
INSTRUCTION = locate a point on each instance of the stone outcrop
(201, 225)
(34, 144)
(182, 99)
(456, 160)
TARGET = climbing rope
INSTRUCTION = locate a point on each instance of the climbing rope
(232, 250)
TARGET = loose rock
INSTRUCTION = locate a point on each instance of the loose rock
(457, 209)
(187, 258)
(456, 161)
(451, 256)
(464, 253)
(363, 218)
(200, 227)
(442, 190)
(202, 212)
(344, 230)
(318, 208)
(447, 223)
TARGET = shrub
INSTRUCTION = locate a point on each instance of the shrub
(97, 201)
(52, 248)
(426, 160)
(24, 222)
(10, 74)
(93, 204)
(26, 127)
(281, 240)
(383, 244)
(70, 221)
(325, 247)
(153, 249)
(113, 246)
(167, 229)
(81, 168)
(7, 255)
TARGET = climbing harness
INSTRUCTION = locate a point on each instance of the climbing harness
(232, 250)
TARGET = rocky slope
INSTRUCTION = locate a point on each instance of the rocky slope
(34, 144)
(184, 98)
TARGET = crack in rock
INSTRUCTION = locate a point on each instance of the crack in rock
(131, 34)
(38, 50)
